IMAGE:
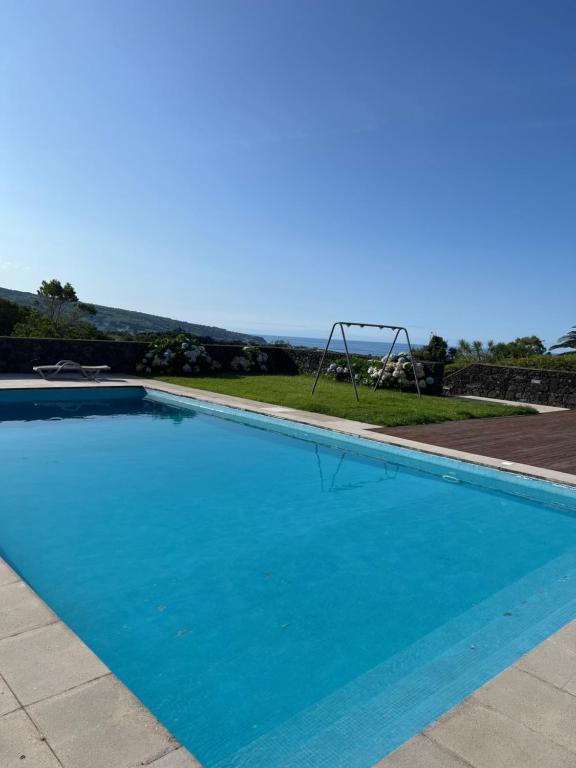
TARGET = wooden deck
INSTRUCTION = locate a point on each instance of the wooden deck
(545, 440)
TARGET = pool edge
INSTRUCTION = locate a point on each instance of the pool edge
(76, 685)
(453, 737)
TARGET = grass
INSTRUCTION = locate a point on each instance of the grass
(387, 408)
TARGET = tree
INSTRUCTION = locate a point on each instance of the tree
(436, 350)
(524, 346)
(59, 314)
(60, 303)
(464, 348)
(478, 348)
(567, 341)
(39, 326)
(10, 315)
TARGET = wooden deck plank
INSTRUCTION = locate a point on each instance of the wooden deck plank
(545, 440)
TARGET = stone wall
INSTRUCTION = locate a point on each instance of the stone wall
(18, 355)
(525, 385)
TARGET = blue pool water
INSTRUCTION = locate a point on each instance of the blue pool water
(275, 594)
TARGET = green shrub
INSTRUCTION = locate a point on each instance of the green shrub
(177, 355)
(10, 315)
(436, 351)
(398, 374)
(547, 362)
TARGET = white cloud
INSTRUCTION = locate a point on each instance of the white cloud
(12, 266)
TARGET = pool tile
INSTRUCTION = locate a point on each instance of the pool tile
(21, 610)
(47, 661)
(8, 702)
(21, 746)
(535, 703)
(421, 752)
(100, 725)
(488, 739)
(179, 758)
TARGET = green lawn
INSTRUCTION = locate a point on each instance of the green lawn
(385, 407)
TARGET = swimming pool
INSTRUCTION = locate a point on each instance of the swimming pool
(278, 595)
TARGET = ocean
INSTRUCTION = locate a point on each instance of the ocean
(358, 347)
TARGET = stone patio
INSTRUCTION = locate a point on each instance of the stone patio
(60, 705)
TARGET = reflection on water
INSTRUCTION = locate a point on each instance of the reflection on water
(332, 478)
(57, 410)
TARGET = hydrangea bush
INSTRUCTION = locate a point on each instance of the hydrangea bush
(399, 372)
(178, 355)
(251, 360)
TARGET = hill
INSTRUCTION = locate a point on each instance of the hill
(114, 320)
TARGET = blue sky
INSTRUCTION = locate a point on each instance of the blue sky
(274, 165)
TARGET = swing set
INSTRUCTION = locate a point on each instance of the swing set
(340, 324)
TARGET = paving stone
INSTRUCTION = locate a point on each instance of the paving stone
(570, 686)
(21, 746)
(567, 636)
(8, 702)
(487, 739)
(47, 661)
(551, 661)
(535, 703)
(100, 725)
(21, 610)
(179, 758)
(421, 752)
(7, 575)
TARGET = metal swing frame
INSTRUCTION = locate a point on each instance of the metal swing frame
(340, 324)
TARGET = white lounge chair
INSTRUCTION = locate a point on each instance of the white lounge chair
(69, 366)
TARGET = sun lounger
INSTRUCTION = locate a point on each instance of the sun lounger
(69, 366)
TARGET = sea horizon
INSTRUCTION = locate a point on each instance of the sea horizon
(356, 346)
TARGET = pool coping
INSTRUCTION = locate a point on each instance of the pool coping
(525, 712)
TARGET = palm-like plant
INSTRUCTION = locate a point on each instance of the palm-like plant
(478, 348)
(568, 340)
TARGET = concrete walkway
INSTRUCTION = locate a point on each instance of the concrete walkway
(60, 706)
(524, 718)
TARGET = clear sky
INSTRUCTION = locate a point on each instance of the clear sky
(274, 165)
